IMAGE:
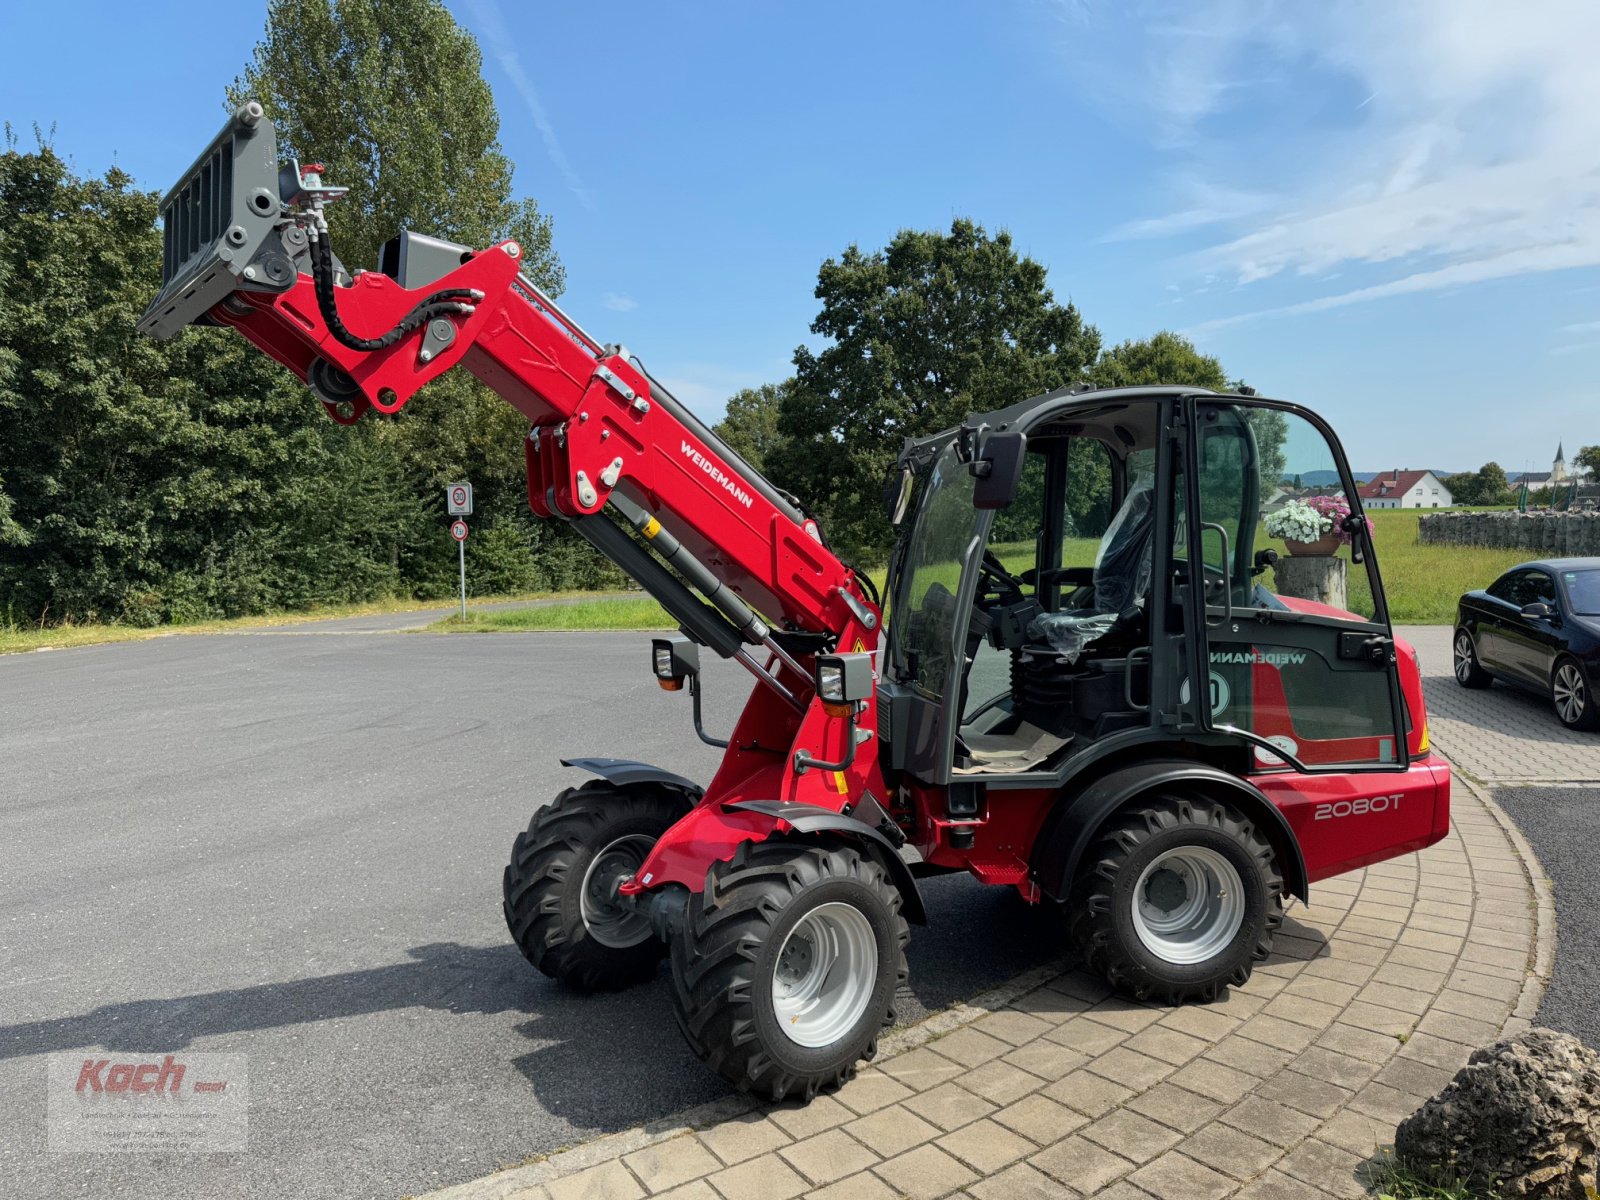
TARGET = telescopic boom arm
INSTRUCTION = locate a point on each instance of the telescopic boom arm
(246, 246)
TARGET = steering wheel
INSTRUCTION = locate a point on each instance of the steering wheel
(997, 580)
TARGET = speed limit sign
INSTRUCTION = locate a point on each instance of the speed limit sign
(458, 499)
(458, 530)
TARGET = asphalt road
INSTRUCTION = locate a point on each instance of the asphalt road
(288, 843)
(1563, 825)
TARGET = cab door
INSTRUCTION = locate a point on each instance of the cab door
(1307, 677)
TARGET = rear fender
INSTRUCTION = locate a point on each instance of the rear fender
(625, 772)
(713, 832)
(1075, 822)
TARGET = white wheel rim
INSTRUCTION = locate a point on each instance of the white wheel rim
(1188, 905)
(1569, 693)
(1463, 656)
(824, 975)
(607, 922)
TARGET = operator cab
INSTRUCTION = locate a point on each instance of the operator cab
(1063, 626)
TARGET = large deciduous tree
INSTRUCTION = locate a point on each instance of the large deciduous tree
(751, 425)
(1164, 358)
(1587, 460)
(390, 97)
(932, 327)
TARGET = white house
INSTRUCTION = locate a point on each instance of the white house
(1405, 489)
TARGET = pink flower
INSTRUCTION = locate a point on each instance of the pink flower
(1335, 509)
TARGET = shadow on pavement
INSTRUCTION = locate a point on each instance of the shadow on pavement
(596, 1061)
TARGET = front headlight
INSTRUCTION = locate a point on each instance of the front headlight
(663, 660)
(830, 682)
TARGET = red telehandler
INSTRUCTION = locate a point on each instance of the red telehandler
(1098, 687)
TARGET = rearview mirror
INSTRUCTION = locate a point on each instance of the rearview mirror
(897, 494)
(999, 469)
(1537, 609)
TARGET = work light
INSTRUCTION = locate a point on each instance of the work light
(842, 680)
(673, 659)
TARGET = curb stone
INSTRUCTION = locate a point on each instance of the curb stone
(503, 1184)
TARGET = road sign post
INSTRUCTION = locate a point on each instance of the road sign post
(458, 530)
(458, 503)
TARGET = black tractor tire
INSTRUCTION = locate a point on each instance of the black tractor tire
(1581, 709)
(550, 862)
(1468, 670)
(734, 940)
(1100, 907)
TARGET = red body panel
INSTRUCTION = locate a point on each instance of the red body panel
(597, 427)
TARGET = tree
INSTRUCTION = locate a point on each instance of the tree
(390, 96)
(1171, 358)
(1492, 484)
(932, 327)
(145, 481)
(750, 426)
(1165, 358)
(1464, 487)
(1587, 460)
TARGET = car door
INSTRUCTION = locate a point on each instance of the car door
(1531, 643)
(1495, 615)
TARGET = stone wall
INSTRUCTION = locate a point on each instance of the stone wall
(1540, 534)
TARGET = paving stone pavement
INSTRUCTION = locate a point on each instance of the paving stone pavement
(1055, 1087)
(1499, 734)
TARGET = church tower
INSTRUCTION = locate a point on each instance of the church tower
(1558, 469)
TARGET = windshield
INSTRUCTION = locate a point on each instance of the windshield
(924, 629)
(1583, 592)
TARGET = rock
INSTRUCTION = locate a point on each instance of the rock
(1523, 1116)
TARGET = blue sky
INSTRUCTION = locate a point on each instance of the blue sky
(1388, 211)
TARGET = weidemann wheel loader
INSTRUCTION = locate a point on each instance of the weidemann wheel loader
(1093, 687)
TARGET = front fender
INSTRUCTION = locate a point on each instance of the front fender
(713, 832)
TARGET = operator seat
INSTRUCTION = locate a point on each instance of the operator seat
(1121, 578)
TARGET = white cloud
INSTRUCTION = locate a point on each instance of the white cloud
(619, 303)
(1471, 158)
(492, 31)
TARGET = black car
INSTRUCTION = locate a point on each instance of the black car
(1537, 626)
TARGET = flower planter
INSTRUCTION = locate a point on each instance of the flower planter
(1325, 546)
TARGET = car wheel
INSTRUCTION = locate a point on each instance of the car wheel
(1469, 671)
(1573, 698)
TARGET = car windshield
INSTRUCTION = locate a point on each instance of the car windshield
(1583, 591)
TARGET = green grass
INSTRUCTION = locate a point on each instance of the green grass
(15, 638)
(626, 612)
(1423, 584)
(1389, 1179)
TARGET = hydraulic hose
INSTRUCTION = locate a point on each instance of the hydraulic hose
(459, 301)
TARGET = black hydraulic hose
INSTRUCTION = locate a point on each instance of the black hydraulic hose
(866, 583)
(442, 303)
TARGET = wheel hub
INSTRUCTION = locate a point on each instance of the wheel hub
(1188, 905)
(605, 917)
(823, 977)
(1166, 890)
